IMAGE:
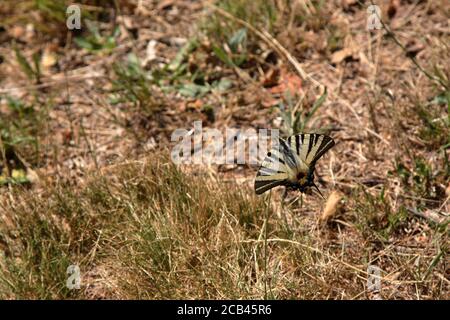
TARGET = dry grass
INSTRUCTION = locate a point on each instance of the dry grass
(150, 231)
(83, 124)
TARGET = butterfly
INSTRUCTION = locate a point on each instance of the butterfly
(292, 163)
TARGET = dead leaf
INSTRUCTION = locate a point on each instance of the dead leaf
(197, 104)
(48, 60)
(32, 176)
(288, 82)
(331, 206)
(340, 55)
(394, 276)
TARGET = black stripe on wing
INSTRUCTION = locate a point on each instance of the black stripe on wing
(297, 144)
(264, 171)
(263, 186)
(310, 144)
(286, 151)
(272, 157)
(326, 144)
(304, 144)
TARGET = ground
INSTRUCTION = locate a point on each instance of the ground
(86, 176)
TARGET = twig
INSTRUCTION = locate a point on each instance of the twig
(429, 215)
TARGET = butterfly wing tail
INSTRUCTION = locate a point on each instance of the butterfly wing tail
(317, 189)
(262, 186)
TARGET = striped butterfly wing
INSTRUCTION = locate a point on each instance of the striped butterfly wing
(309, 147)
(277, 168)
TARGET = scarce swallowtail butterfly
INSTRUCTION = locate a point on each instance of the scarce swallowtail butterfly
(291, 163)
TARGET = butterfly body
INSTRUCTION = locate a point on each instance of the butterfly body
(302, 182)
(292, 163)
